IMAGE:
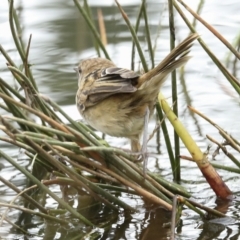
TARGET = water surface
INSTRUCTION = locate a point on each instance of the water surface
(61, 38)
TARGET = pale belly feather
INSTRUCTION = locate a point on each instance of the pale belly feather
(109, 120)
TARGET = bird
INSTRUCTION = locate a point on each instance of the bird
(118, 101)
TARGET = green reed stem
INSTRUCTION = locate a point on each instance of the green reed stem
(26, 53)
(235, 44)
(224, 149)
(106, 195)
(166, 137)
(148, 35)
(42, 116)
(171, 186)
(232, 80)
(116, 188)
(214, 31)
(13, 108)
(77, 125)
(41, 139)
(109, 150)
(120, 170)
(192, 207)
(5, 54)
(4, 107)
(44, 188)
(23, 78)
(17, 143)
(88, 185)
(13, 31)
(226, 168)
(42, 128)
(89, 13)
(133, 173)
(46, 216)
(199, 9)
(12, 90)
(134, 36)
(24, 195)
(207, 209)
(136, 30)
(92, 28)
(21, 230)
(177, 169)
(32, 91)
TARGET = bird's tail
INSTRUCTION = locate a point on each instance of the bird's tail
(176, 58)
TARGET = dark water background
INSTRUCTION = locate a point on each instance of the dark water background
(61, 38)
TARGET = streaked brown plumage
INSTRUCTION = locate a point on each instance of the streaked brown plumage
(116, 101)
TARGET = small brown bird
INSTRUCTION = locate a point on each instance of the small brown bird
(118, 101)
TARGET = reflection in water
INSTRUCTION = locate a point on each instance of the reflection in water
(61, 38)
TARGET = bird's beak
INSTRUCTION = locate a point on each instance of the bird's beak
(75, 69)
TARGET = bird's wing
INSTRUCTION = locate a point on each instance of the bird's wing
(111, 81)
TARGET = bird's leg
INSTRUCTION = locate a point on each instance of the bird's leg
(144, 142)
(136, 146)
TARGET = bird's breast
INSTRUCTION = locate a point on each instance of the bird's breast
(110, 117)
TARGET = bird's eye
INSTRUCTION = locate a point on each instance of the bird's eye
(78, 70)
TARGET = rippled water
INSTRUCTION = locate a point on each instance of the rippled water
(61, 38)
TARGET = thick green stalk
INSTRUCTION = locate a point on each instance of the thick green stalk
(177, 169)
